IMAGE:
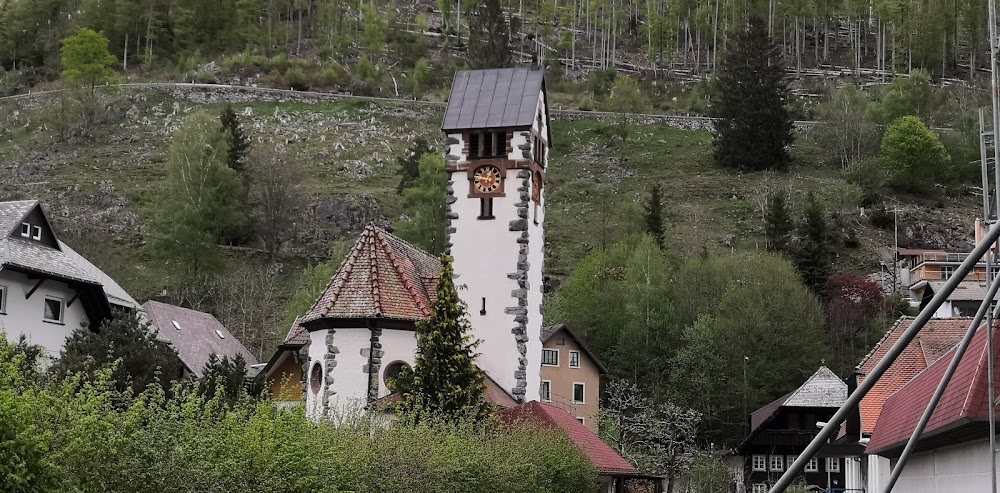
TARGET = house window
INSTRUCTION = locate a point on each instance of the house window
(53, 310)
(37, 234)
(486, 208)
(550, 357)
(947, 271)
(574, 359)
(759, 462)
(812, 465)
(3, 300)
(487, 145)
(777, 463)
(392, 371)
(578, 393)
(546, 390)
(789, 460)
(316, 377)
(833, 464)
(581, 420)
(26, 230)
(759, 488)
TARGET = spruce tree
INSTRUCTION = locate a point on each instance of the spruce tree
(444, 382)
(489, 37)
(409, 164)
(778, 223)
(653, 214)
(813, 254)
(753, 126)
(145, 359)
(239, 144)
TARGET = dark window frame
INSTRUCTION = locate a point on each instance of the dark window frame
(546, 351)
(486, 208)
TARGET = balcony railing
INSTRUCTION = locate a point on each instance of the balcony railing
(920, 273)
(942, 257)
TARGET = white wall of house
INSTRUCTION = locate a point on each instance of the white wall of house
(853, 475)
(964, 468)
(24, 316)
(397, 345)
(877, 475)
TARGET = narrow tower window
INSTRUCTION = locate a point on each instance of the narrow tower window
(486, 208)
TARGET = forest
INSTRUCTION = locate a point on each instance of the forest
(367, 45)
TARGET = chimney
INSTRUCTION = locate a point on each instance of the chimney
(163, 297)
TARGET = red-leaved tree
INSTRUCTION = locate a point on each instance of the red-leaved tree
(851, 304)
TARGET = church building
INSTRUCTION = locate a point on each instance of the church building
(361, 331)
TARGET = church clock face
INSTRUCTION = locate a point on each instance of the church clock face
(487, 179)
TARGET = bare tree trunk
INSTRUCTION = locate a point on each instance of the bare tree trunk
(125, 55)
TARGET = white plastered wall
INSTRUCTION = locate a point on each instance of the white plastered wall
(24, 316)
(962, 468)
(397, 345)
(536, 258)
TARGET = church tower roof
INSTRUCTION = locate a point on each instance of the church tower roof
(382, 277)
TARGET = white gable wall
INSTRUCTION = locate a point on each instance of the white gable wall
(24, 316)
(964, 468)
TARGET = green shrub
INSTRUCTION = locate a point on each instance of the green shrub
(599, 82)
(205, 77)
(295, 78)
(279, 63)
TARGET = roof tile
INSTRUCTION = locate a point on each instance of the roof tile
(936, 337)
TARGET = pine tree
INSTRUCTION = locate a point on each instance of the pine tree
(444, 382)
(489, 37)
(778, 223)
(753, 126)
(144, 358)
(409, 164)
(813, 254)
(239, 144)
(653, 214)
(228, 376)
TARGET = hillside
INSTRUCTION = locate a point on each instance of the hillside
(97, 188)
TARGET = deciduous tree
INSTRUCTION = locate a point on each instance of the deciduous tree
(198, 202)
(87, 64)
(912, 156)
(274, 195)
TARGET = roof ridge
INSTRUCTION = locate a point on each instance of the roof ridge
(348, 264)
(383, 231)
(376, 291)
(881, 341)
(405, 279)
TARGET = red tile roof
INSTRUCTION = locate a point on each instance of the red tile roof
(495, 395)
(382, 277)
(965, 397)
(937, 337)
(297, 335)
(606, 460)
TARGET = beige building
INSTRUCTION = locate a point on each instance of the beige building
(571, 375)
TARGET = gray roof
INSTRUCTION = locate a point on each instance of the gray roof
(30, 256)
(823, 389)
(501, 97)
(11, 214)
(965, 291)
(196, 340)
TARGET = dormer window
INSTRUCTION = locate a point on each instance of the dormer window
(29, 231)
(487, 144)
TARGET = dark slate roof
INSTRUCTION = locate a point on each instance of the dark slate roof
(548, 332)
(502, 97)
(382, 277)
(197, 340)
(964, 402)
(31, 256)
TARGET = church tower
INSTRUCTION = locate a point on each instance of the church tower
(497, 124)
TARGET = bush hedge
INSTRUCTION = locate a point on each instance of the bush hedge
(85, 436)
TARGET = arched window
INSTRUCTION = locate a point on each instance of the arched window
(392, 371)
(316, 377)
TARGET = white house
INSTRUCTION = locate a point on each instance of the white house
(46, 289)
(953, 452)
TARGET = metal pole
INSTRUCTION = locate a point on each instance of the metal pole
(984, 164)
(984, 307)
(852, 401)
(996, 100)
